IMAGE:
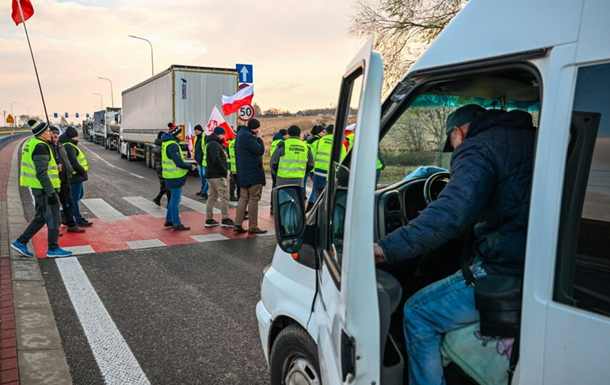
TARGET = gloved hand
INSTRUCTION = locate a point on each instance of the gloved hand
(52, 200)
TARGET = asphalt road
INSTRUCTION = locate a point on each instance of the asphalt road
(186, 312)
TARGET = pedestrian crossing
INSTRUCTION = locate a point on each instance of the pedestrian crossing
(103, 210)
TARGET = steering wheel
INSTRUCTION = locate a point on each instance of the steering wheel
(442, 177)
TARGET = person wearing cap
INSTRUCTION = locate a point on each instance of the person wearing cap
(249, 149)
(174, 170)
(292, 159)
(216, 174)
(65, 175)
(200, 141)
(39, 171)
(489, 192)
(80, 173)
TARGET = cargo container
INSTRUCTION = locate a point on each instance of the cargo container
(106, 127)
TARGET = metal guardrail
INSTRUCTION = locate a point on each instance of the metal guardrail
(6, 139)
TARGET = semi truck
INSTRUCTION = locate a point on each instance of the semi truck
(106, 127)
(182, 95)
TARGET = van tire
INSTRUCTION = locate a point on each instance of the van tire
(294, 347)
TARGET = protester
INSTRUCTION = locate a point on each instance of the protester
(278, 138)
(159, 168)
(200, 141)
(317, 133)
(78, 160)
(40, 172)
(322, 150)
(216, 174)
(249, 149)
(292, 159)
(233, 168)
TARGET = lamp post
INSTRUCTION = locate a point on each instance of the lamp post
(102, 98)
(152, 61)
(111, 92)
(13, 115)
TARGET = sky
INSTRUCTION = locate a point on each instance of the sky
(299, 49)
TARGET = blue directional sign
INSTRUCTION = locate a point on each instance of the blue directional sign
(55, 115)
(87, 115)
(246, 73)
(66, 115)
(77, 114)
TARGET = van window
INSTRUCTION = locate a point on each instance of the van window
(583, 265)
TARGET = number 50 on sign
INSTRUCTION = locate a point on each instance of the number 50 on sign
(246, 113)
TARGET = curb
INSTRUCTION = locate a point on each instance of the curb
(40, 356)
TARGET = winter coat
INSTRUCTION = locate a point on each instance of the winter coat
(173, 151)
(248, 152)
(157, 154)
(216, 158)
(81, 175)
(61, 156)
(199, 149)
(491, 174)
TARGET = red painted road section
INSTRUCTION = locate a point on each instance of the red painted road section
(112, 236)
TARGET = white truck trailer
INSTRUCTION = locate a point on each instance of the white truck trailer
(106, 127)
(182, 95)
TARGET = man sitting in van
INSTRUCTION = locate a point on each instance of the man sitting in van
(491, 173)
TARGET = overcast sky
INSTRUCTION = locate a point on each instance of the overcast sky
(299, 48)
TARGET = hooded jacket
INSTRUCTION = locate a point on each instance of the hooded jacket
(81, 175)
(216, 158)
(61, 156)
(248, 152)
(173, 151)
(491, 174)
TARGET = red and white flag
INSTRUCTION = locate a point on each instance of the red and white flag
(218, 120)
(231, 104)
(191, 141)
(26, 7)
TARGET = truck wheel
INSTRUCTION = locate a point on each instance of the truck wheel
(128, 149)
(294, 358)
(147, 157)
(121, 149)
(107, 144)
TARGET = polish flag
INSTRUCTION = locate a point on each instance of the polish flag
(26, 11)
(191, 142)
(231, 104)
(218, 120)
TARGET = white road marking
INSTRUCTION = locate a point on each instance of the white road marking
(148, 206)
(103, 211)
(112, 165)
(197, 206)
(79, 250)
(145, 244)
(117, 363)
(209, 237)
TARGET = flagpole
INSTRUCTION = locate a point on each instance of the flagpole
(33, 61)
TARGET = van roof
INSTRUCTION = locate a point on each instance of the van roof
(486, 29)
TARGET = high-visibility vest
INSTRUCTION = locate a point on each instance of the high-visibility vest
(169, 167)
(232, 162)
(324, 148)
(379, 164)
(204, 147)
(350, 140)
(27, 172)
(274, 146)
(293, 163)
(80, 157)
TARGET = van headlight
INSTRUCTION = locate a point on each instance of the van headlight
(265, 270)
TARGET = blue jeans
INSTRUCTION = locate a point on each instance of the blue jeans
(173, 207)
(77, 191)
(319, 182)
(204, 182)
(436, 309)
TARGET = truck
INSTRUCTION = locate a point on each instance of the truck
(182, 95)
(106, 127)
(88, 129)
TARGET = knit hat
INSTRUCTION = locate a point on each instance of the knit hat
(198, 128)
(318, 130)
(294, 130)
(171, 126)
(37, 127)
(253, 124)
(71, 132)
(176, 130)
(330, 128)
(55, 128)
(283, 132)
(219, 131)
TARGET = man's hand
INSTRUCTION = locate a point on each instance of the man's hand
(59, 165)
(52, 200)
(259, 134)
(193, 168)
(379, 255)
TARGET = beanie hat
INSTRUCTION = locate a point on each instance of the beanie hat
(294, 130)
(71, 132)
(198, 128)
(253, 124)
(55, 128)
(329, 129)
(318, 130)
(176, 130)
(283, 132)
(171, 126)
(37, 127)
(219, 131)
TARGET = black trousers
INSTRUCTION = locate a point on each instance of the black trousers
(65, 197)
(163, 190)
(233, 186)
(45, 214)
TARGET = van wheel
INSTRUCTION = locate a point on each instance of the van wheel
(294, 358)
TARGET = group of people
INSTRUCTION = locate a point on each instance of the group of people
(54, 168)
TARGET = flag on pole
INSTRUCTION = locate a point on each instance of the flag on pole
(26, 8)
(231, 104)
(217, 120)
(191, 141)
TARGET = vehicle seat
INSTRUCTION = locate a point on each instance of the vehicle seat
(389, 294)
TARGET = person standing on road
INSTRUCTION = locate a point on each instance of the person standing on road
(292, 159)
(233, 168)
(249, 149)
(40, 172)
(322, 150)
(65, 197)
(278, 138)
(174, 172)
(159, 168)
(216, 174)
(200, 141)
(80, 174)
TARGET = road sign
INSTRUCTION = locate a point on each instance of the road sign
(77, 115)
(246, 112)
(66, 115)
(55, 115)
(10, 119)
(246, 73)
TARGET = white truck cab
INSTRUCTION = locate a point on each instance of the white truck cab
(329, 315)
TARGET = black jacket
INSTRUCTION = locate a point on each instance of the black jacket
(248, 152)
(61, 156)
(216, 158)
(199, 149)
(157, 154)
(81, 175)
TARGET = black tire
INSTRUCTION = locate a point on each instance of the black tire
(129, 158)
(294, 354)
(121, 145)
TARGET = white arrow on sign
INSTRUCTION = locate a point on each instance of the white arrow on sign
(244, 74)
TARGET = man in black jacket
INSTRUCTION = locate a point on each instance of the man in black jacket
(162, 189)
(216, 174)
(65, 174)
(200, 142)
(79, 163)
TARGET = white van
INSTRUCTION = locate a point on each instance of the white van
(329, 315)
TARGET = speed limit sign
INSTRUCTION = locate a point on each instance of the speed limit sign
(246, 112)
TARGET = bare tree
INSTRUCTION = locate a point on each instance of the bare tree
(403, 29)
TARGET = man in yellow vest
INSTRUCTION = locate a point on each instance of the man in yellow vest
(78, 160)
(322, 150)
(174, 172)
(233, 168)
(350, 135)
(39, 171)
(292, 159)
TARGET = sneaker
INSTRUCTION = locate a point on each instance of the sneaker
(84, 223)
(204, 195)
(233, 199)
(239, 230)
(227, 223)
(211, 223)
(58, 253)
(75, 229)
(181, 228)
(168, 224)
(257, 231)
(198, 193)
(157, 201)
(22, 249)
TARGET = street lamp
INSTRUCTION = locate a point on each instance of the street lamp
(101, 97)
(12, 114)
(152, 62)
(111, 92)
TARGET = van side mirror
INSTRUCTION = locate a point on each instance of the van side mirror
(289, 216)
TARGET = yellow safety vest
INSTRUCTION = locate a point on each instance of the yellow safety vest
(293, 163)
(274, 146)
(80, 157)
(324, 147)
(27, 173)
(169, 167)
(232, 162)
(350, 141)
(204, 146)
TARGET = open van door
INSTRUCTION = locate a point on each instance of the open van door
(346, 306)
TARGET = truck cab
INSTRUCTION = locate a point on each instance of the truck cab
(328, 314)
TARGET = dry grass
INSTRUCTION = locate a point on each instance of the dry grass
(270, 126)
